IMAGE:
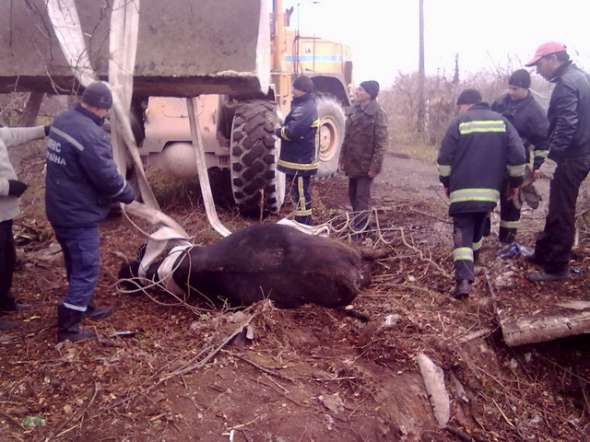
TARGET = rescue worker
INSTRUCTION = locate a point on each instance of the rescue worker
(569, 157)
(298, 157)
(528, 118)
(478, 148)
(365, 141)
(82, 181)
(11, 189)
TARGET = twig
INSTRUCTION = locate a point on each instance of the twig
(72, 418)
(421, 255)
(502, 413)
(462, 435)
(475, 335)
(202, 362)
(264, 370)
(430, 215)
(12, 420)
(245, 424)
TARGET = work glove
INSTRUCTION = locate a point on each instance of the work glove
(16, 188)
(547, 169)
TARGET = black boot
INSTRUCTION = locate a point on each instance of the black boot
(7, 325)
(8, 304)
(535, 259)
(68, 325)
(96, 313)
(544, 276)
(463, 289)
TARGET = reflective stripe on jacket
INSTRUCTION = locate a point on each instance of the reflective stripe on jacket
(478, 150)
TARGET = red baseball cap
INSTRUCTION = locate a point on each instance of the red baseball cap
(551, 47)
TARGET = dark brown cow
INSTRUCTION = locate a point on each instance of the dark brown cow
(270, 261)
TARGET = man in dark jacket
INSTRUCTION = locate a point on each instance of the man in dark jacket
(530, 121)
(479, 147)
(569, 148)
(82, 182)
(298, 147)
(365, 141)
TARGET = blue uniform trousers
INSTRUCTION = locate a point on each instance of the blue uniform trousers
(81, 249)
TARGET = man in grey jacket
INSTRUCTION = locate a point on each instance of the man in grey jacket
(365, 142)
(11, 190)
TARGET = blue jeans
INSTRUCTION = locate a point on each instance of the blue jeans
(81, 249)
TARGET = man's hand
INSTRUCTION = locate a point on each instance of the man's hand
(513, 194)
(16, 188)
(372, 174)
(547, 169)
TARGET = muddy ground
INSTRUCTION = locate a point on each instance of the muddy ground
(309, 374)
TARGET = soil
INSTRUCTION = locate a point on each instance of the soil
(309, 374)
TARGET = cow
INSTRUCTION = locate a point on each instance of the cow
(267, 261)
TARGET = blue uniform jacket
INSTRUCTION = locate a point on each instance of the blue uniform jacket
(298, 138)
(82, 178)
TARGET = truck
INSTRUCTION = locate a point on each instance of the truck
(239, 57)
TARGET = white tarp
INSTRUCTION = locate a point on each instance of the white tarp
(124, 20)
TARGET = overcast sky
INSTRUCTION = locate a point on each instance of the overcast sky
(383, 34)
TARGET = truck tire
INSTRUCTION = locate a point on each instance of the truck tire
(253, 158)
(330, 134)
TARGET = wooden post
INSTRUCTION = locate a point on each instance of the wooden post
(31, 109)
(421, 72)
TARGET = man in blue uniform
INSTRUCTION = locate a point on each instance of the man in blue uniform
(298, 147)
(82, 182)
(480, 146)
(528, 118)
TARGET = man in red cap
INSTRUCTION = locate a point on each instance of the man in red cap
(569, 148)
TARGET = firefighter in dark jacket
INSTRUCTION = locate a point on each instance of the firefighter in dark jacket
(479, 147)
(82, 181)
(568, 162)
(298, 147)
(530, 121)
(365, 142)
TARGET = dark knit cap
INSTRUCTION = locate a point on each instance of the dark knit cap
(469, 96)
(520, 78)
(303, 84)
(98, 94)
(371, 87)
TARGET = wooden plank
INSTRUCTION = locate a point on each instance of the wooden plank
(532, 329)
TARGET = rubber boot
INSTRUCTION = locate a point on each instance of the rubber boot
(68, 325)
(8, 305)
(96, 313)
(543, 276)
(463, 289)
(7, 325)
